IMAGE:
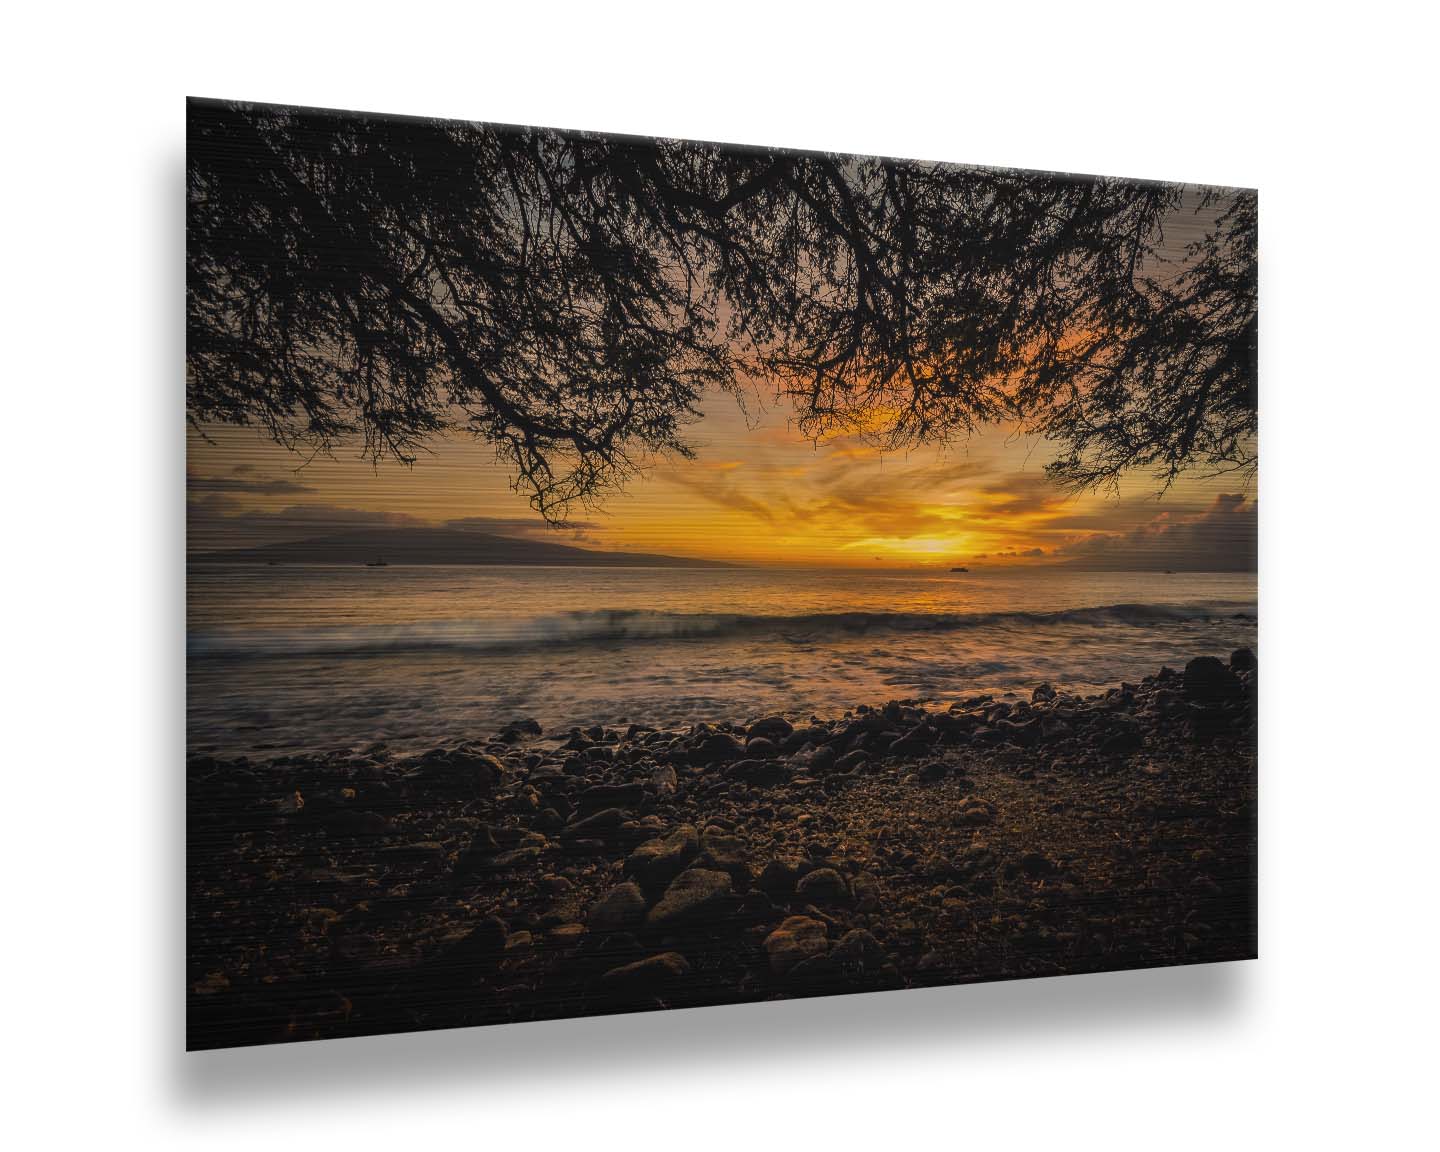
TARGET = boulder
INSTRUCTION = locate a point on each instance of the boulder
(595, 827)
(770, 728)
(696, 894)
(715, 748)
(1207, 680)
(660, 860)
(761, 773)
(610, 796)
(487, 938)
(797, 939)
(621, 908)
(653, 974)
(778, 878)
(1036, 864)
(823, 884)
(859, 951)
(1243, 660)
(729, 854)
(459, 772)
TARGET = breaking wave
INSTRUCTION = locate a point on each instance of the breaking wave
(630, 626)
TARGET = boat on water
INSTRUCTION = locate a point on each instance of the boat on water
(378, 562)
(959, 569)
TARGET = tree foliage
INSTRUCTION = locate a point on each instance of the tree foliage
(569, 297)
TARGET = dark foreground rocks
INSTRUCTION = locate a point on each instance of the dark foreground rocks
(538, 875)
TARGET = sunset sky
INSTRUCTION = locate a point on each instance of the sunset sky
(757, 492)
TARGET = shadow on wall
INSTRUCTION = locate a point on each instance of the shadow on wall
(785, 1036)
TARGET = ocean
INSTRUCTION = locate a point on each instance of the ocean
(298, 658)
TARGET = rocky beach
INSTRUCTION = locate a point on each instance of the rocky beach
(532, 874)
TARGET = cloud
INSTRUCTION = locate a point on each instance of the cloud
(1221, 538)
(719, 489)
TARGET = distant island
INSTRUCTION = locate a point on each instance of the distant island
(439, 546)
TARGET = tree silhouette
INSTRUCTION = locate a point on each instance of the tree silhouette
(569, 297)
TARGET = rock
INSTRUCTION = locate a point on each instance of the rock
(566, 935)
(662, 859)
(716, 748)
(1208, 680)
(814, 970)
(823, 884)
(866, 890)
(654, 973)
(1122, 743)
(694, 895)
(516, 859)
(758, 772)
(1043, 692)
(610, 796)
(360, 825)
(620, 908)
(597, 826)
(457, 771)
(1035, 864)
(519, 942)
(822, 759)
(860, 954)
(933, 772)
(1025, 735)
(730, 854)
(852, 760)
(428, 854)
(797, 939)
(1053, 728)
(770, 728)
(486, 939)
(778, 878)
(973, 811)
(913, 743)
(1243, 660)
(663, 780)
(761, 748)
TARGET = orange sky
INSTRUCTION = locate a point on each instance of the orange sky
(756, 492)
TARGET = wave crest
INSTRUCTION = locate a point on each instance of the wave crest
(615, 626)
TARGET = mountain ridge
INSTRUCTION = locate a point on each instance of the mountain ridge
(429, 546)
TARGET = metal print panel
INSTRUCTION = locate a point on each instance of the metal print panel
(630, 574)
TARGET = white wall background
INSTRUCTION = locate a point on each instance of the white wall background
(1326, 1041)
